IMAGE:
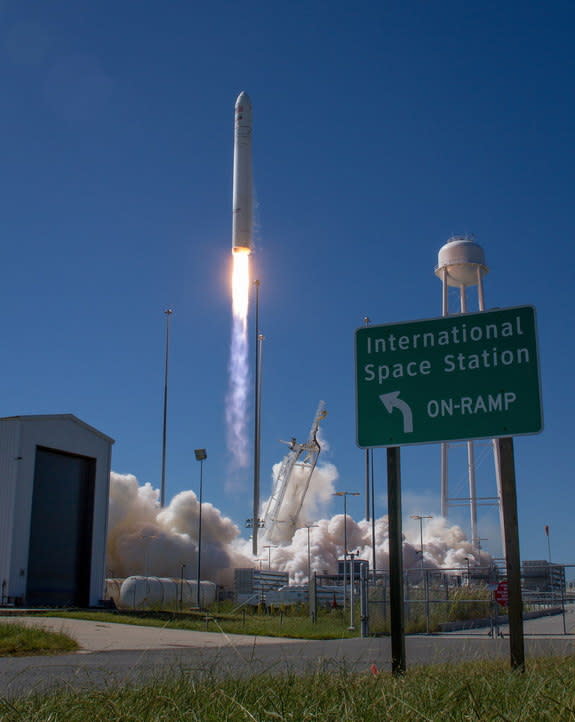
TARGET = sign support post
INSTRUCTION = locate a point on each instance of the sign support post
(398, 664)
(512, 557)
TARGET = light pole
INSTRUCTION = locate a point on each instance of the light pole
(308, 527)
(479, 540)
(468, 571)
(548, 535)
(168, 312)
(183, 566)
(351, 627)
(201, 456)
(269, 547)
(345, 494)
(147, 538)
(370, 489)
(257, 420)
(421, 517)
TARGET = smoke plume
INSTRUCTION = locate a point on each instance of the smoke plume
(144, 539)
(147, 540)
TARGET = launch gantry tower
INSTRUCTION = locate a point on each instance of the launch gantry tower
(282, 513)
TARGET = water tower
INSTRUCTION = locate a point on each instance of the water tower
(461, 264)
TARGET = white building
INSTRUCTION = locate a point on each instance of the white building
(54, 487)
(252, 585)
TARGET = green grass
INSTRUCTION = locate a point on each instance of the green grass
(474, 691)
(330, 625)
(17, 640)
(462, 604)
(294, 621)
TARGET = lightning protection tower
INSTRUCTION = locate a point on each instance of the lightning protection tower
(461, 264)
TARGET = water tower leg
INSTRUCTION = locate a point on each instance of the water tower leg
(444, 479)
(472, 492)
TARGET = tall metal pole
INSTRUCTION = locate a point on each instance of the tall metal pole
(369, 488)
(548, 535)
(372, 513)
(444, 482)
(351, 627)
(424, 578)
(269, 547)
(470, 452)
(309, 526)
(182, 567)
(168, 312)
(201, 455)
(398, 660)
(344, 550)
(257, 429)
(512, 556)
(366, 321)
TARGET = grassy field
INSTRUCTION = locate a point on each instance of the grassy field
(20, 640)
(295, 625)
(294, 622)
(475, 691)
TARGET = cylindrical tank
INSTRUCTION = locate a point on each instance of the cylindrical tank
(461, 259)
(164, 593)
(112, 590)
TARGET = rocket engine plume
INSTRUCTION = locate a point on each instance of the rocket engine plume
(236, 409)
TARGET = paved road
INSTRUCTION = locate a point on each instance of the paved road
(121, 654)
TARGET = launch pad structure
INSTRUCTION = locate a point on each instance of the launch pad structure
(301, 460)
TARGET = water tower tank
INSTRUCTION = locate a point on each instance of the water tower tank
(462, 259)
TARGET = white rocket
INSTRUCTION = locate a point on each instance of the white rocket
(242, 202)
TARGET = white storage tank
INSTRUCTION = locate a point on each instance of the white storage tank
(112, 590)
(164, 593)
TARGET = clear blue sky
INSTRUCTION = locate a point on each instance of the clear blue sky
(380, 129)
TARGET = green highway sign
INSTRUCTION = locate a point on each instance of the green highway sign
(469, 376)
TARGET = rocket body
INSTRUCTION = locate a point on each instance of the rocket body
(242, 197)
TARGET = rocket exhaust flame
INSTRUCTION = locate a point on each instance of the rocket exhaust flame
(236, 408)
(240, 285)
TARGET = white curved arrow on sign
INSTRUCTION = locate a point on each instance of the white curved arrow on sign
(392, 401)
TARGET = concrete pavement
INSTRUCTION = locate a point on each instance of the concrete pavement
(118, 654)
(106, 637)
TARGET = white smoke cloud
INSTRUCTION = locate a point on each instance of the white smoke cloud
(145, 539)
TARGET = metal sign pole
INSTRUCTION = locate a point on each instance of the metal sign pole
(398, 664)
(509, 508)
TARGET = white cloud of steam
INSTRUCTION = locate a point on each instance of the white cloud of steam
(444, 546)
(145, 539)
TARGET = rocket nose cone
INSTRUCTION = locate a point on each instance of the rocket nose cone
(244, 99)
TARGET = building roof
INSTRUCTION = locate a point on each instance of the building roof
(59, 417)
